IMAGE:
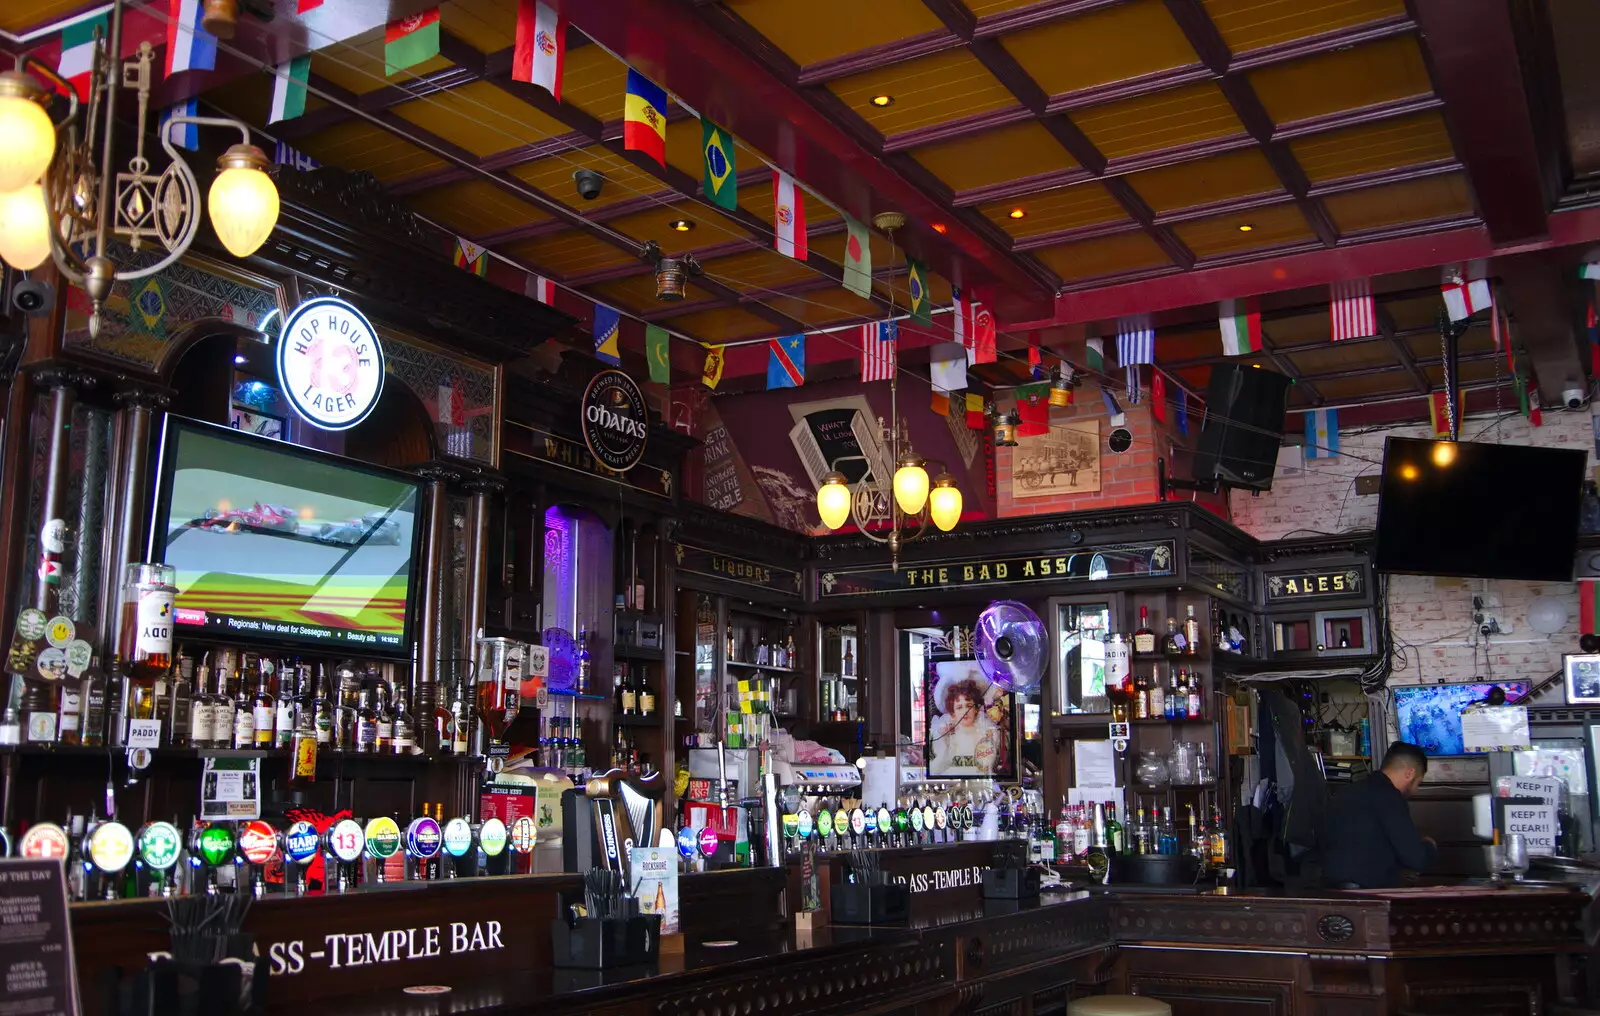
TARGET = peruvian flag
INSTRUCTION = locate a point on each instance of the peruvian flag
(1464, 299)
(788, 216)
(541, 45)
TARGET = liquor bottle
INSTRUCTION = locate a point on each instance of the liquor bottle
(460, 721)
(585, 661)
(847, 666)
(627, 697)
(283, 724)
(1119, 664)
(1192, 703)
(1141, 698)
(322, 709)
(1169, 834)
(405, 726)
(366, 723)
(145, 638)
(1219, 841)
(264, 707)
(1144, 640)
(1113, 840)
(1191, 632)
(116, 704)
(381, 706)
(1064, 850)
(647, 695)
(69, 712)
(1158, 697)
(180, 708)
(304, 738)
(1172, 641)
(1197, 846)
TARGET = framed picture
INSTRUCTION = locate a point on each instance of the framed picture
(1583, 678)
(971, 722)
(1064, 461)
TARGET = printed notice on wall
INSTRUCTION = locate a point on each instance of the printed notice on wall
(230, 788)
(1495, 728)
(1538, 825)
(35, 940)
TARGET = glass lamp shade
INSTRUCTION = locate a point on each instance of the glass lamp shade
(833, 500)
(910, 484)
(243, 203)
(24, 227)
(30, 137)
(944, 502)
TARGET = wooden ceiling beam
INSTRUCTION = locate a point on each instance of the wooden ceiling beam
(1402, 352)
(722, 248)
(1286, 367)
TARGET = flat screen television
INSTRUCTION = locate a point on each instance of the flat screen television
(1429, 715)
(284, 546)
(1478, 510)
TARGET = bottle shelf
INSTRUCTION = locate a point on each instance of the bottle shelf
(638, 722)
(642, 653)
(579, 696)
(764, 667)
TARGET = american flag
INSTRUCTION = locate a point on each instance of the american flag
(877, 350)
(1353, 312)
(1136, 340)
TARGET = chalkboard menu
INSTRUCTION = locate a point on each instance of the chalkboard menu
(35, 940)
(835, 436)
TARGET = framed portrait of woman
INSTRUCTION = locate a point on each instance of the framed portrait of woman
(971, 722)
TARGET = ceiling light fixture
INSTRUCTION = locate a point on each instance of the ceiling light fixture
(882, 100)
(1017, 213)
(940, 228)
(672, 273)
(682, 225)
(1245, 227)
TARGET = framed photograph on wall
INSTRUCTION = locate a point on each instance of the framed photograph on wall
(1583, 678)
(971, 722)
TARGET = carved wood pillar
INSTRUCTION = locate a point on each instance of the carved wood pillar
(139, 411)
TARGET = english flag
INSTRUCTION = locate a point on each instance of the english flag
(1464, 299)
(541, 46)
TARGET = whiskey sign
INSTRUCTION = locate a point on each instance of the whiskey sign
(1310, 585)
(554, 450)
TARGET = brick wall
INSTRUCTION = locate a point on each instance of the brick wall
(1430, 617)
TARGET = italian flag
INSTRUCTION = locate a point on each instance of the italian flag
(289, 89)
(411, 40)
(77, 53)
(1240, 321)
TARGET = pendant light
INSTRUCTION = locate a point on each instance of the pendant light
(833, 500)
(910, 483)
(944, 502)
(243, 203)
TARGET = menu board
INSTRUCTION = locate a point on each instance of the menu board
(35, 940)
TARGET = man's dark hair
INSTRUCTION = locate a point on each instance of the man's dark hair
(1405, 753)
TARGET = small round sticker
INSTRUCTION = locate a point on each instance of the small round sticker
(804, 824)
(708, 840)
(52, 664)
(79, 655)
(111, 846)
(44, 840)
(59, 631)
(140, 758)
(31, 623)
(258, 842)
(53, 537)
(686, 843)
(524, 834)
(159, 844)
(841, 821)
(492, 837)
(300, 842)
(457, 837)
(215, 844)
(383, 837)
(423, 837)
(346, 840)
(941, 818)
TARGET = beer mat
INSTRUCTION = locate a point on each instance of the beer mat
(427, 989)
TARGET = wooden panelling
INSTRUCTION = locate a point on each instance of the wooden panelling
(1102, 256)
(759, 267)
(654, 224)
(1388, 144)
(1173, 117)
(820, 29)
(1435, 197)
(480, 118)
(1344, 79)
(1083, 204)
(1221, 234)
(826, 306)
(18, 15)
(595, 82)
(474, 208)
(553, 176)
(1232, 175)
(722, 325)
(1006, 153)
(1249, 24)
(929, 90)
(1110, 44)
(569, 252)
(358, 145)
(487, 25)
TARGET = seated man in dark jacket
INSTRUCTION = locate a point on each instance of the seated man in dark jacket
(1369, 836)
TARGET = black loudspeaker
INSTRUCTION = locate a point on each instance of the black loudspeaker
(1243, 427)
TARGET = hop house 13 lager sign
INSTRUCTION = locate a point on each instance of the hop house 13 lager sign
(615, 421)
(330, 363)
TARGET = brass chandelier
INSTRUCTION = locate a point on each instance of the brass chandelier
(62, 197)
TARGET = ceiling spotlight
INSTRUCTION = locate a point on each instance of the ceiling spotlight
(239, 358)
(882, 100)
(1245, 227)
(682, 225)
(940, 228)
(1017, 213)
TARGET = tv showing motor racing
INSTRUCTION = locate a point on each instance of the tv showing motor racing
(278, 544)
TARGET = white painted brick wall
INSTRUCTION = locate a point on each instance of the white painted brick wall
(1430, 616)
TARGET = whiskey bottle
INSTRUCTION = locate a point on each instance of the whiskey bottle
(69, 712)
(404, 725)
(264, 707)
(1141, 698)
(366, 723)
(646, 694)
(1191, 632)
(382, 707)
(585, 661)
(180, 711)
(116, 704)
(202, 731)
(1173, 644)
(1158, 697)
(627, 698)
(283, 724)
(1144, 640)
(303, 739)
(1192, 701)
(322, 710)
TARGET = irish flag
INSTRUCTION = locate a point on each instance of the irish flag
(77, 53)
(411, 40)
(1240, 321)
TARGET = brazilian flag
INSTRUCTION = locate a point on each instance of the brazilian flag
(150, 306)
(722, 177)
(917, 282)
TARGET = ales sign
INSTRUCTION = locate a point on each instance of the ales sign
(615, 421)
(330, 364)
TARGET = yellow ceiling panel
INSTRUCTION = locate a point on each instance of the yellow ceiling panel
(985, 8)
(929, 90)
(358, 145)
(722, 325)
(1251, 24)
(1083, 204)
(1330, 356)
(827, 306)
(594, 81)
(1436, 197)
(655, 224)
(474, 208)
(822, 29)
(1344, 79)
(1104, 255)
(1110, 44)
(1174, 117)
(357, 64)
(570, 252)
(1231, 175)
(17, 16)
(1221, 234)
(1389, 144)
(480, 118)
(486, 25)
(1006, 153)
(637, 292)
(553, 175)
(756, 269)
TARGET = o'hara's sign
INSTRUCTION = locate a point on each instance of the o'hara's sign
(1306, 585)
(734, 569)
(1090, 565)
(330, 363)
(615, 421)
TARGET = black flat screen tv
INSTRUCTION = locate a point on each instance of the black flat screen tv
(1478, 510)
(284, 546)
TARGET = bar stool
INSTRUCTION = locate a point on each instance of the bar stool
(1118, 1005)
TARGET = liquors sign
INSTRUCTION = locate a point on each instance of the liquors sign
(330, 363)
(615, 422)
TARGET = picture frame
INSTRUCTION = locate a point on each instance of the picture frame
(1582, 673)
(980, 742)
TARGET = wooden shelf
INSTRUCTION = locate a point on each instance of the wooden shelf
(766, 668)
(637, 653)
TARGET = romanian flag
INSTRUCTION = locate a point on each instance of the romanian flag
(411, 40)
(471, 256)
(607, 327)
(644, 117)
(1438, 412)
(721, 181)
(921, 301)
